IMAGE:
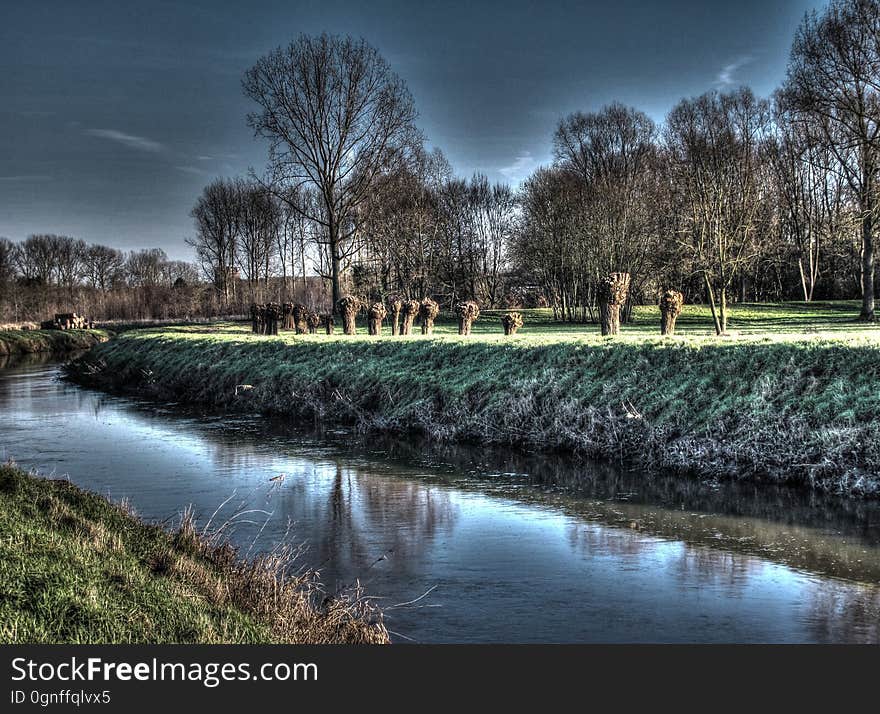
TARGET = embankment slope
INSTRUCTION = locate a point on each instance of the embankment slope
(798, 411)
(77, 569)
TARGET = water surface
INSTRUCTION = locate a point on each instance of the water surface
(509, 547)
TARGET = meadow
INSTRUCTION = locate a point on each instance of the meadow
(790, 396)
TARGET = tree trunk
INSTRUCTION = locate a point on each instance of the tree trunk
(349, 327)
(336, 264)
(609, 317)
(722, 304)
(612, 294)
(710, 295)
(428, 310)
(867, 255)
(410, 310)
(375, 314)
(299, 314)
(670, 309)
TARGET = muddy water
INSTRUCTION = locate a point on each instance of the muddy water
(508, 548)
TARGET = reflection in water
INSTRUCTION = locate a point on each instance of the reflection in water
(836, 614)
(519, 547)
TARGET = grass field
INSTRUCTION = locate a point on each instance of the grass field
(29, 341)
(768, 321)
(76, 569)
(800, 404)
(765, 319)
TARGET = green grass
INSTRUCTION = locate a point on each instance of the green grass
(799, 404)
(746, 319)
(27, 341)
(75, 568)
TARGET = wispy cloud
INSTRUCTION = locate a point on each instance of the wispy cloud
(195, 170)
(520, 167)
(216, 157)
(139, 143)
(26, 177)
(727, 76)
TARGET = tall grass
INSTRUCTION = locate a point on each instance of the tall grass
(797, 409)
(75, 568)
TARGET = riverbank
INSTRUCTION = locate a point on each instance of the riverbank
(14, 342)
(75, 568)
(796, 410)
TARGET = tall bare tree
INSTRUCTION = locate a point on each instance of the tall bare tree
(216, 215)
(259, 223)
(144, 268)
(71, 258)
(550, 242)
(810, 193)
(103, 267)
(493, 217)
(613, 152)
(833, 82)
(336, 116)
(714, 146)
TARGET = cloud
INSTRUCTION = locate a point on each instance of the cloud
(139, 143)
(26, 177)
(520, 167)
(192, 170)
(726, 76)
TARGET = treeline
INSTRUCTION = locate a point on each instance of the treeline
(47, 273)
(733, 197)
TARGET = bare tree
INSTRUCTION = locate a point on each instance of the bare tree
(833, 82)
(70, 256)
(216, 216)
(810, 193)
(336, 116)
(259, 223)
(400, 234)
(550, 243)
(178, 273)
(38, 258)
(8, 251)
(613, 152)
(494, 217)
(713, 145)
(144, 268)
(103, 267)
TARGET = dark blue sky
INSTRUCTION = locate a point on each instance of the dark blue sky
(113, 115)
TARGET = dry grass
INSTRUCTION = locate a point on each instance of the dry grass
(75, 568)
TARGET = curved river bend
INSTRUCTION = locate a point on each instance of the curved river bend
(512, 548)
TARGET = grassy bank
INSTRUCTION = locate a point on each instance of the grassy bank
(795, 408)
(14, 342)
(75, 568)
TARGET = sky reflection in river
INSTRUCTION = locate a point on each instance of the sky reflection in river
(517, 548)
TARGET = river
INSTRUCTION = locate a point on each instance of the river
(462, 544)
